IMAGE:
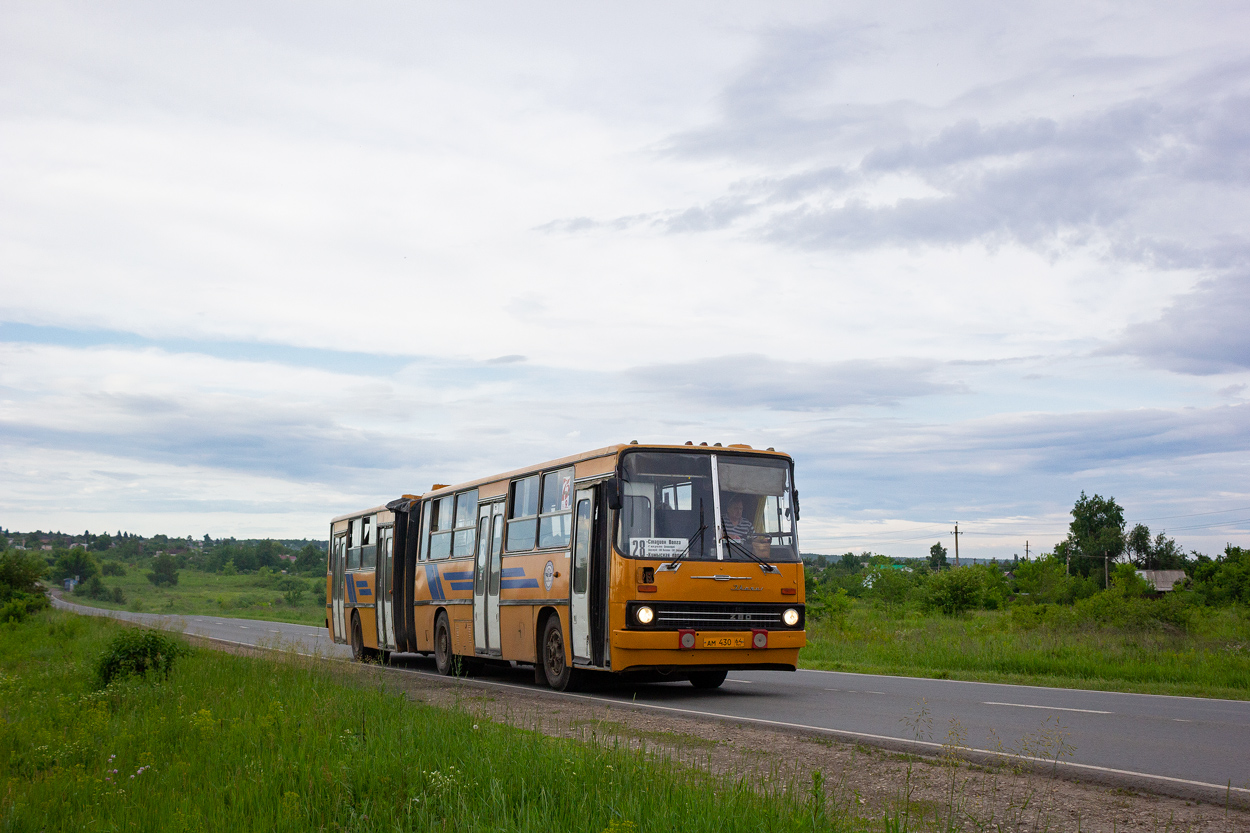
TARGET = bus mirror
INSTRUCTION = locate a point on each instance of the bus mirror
(612, 493)
(796, 505)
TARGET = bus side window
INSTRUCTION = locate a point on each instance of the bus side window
(581, 550)
(523, 515)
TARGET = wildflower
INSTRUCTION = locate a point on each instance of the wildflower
(475, 727)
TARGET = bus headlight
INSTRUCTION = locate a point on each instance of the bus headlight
(790, 617)
(645, 615)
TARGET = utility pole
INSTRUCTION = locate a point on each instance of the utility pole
(1026, 550)
(956, 543)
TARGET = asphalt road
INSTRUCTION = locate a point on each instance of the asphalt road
(1178, 745)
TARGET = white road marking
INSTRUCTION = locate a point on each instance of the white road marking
(732, 680)
(243, 626)
(1051, 708)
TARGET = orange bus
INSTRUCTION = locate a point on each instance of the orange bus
(649, 561)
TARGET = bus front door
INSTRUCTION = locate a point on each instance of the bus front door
(383, 587)
(492, 580)
(579, 601)
(337, 551)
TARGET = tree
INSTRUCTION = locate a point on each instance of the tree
(20, 573)
(75, 563)
(311, 559)
(164, 570)
(1158, 553)
(1096, 534)
(937, 557)
(954, 591)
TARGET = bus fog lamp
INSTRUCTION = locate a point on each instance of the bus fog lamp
(790, 617)
(645, 615)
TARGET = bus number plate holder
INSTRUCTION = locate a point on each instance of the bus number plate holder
(724, 642)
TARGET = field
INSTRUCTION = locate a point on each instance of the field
(244, 596)
(1039, 645)
(1034, 645)
(237, 743)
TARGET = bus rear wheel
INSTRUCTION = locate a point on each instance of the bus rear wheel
(444, 660)
(708, 679)
(358, 639)
(560, 675)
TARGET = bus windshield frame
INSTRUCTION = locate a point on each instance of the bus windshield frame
(706, 505)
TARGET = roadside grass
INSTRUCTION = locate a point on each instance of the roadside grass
(1031, 646)
(240, 743)
(242, 596)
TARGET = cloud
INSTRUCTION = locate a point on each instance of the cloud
(757, 381)
(1202, 332)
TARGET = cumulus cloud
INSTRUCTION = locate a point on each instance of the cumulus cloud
(1202, 332)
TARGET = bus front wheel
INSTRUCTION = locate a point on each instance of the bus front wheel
(560, 675)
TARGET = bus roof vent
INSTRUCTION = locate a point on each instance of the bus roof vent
(437, 486)
(739, 445)
(703, 443)
(689, 442)
(770, 448)
(716, 445)
(633, 442)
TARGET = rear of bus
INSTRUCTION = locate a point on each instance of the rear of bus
(705, 571)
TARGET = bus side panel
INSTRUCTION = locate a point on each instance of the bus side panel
(462, 630)
(369, 625)
(516, 632)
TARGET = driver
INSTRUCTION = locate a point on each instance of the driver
(737, 527)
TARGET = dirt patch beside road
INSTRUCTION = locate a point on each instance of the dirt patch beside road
(867, 782)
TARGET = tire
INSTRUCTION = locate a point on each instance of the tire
(708, 679)
(560, 675)
(358, 639)
(444, 659)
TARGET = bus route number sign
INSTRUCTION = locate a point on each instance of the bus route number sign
(657, 547)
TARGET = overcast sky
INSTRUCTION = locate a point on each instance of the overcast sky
(264, 263)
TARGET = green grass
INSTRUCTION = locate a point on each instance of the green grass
(239, 743)
(249, 596)
(1210, 658)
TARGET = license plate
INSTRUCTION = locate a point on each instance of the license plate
(724, 642)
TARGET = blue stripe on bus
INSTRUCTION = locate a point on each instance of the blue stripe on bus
(458, 576)
(436, 584)
(518, 583)
(512, 572)
(351, 588)
(462, 585)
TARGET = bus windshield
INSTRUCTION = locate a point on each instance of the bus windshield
(674, 503)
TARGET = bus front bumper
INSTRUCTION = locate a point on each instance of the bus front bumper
(705, 641)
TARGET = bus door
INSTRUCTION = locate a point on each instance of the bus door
(492, 579)
(383, 587)
(481, 566)
(337, 552)
(579, 601)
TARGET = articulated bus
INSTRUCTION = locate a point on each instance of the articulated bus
(654, 562)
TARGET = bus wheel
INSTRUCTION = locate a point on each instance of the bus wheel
(444, 661)
(560, 675)
(708, 679)
(358, 640)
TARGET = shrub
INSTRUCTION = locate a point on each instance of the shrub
(292, 588)
(137, 651)
(954, 591)
(164, 570)
(19, 574)
(21, 605)
(112, 568)
(319, 590)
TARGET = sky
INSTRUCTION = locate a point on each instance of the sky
(264, 263)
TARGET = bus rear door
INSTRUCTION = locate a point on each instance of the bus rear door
(579, 602)
(383, 588)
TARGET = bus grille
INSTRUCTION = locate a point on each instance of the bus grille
(710, 616)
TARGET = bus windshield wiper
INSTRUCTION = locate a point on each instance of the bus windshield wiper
(768, 568)
(698, 533)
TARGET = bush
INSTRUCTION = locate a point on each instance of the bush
(112, 568)
(954, 591)
(319, 590)
(292, 589)
(137, 651)
(164, 570)
(21, 605)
